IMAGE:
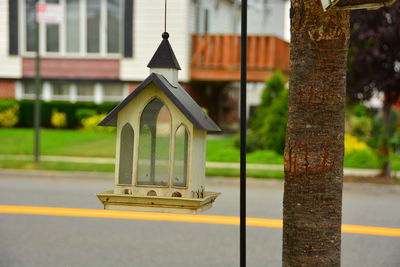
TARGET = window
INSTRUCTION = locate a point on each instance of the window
(180, 157)
(126, 155)
(73, 26)
(52, 34)
(114, 22)
(155, 128)
(30, 25)
(93, 26)
(90, 27)
(75, 91)
(61, 90)
(28, 90)
(113, 91)
(85, 91)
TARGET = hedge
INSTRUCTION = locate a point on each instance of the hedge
(26, 111)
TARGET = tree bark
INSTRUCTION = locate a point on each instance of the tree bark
(312, 205)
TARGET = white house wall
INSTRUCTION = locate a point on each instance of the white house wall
(264, 17)
(268, 18)
(147, 29)
(10, 66)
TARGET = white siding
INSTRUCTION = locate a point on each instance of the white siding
(223, 17)
(268, 18)
(264, 17)
(147, 29)
(10, 66)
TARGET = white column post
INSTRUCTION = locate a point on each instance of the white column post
(73, 93)
(98, 93)
(125, 90)
(46, 92)
(18, 90)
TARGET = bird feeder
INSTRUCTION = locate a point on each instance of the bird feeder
(355, 4)
(160, 147)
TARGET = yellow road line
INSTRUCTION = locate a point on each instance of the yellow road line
(212, 219)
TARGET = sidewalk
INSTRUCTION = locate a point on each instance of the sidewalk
(229, 165)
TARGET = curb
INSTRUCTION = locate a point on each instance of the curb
(210, 181)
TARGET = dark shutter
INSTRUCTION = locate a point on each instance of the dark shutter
(13, 26)
(128, 29)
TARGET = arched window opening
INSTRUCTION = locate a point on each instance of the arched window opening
(180, 157)
(126, 155)
(154, 140)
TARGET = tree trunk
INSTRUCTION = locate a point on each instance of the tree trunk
(386, 169)
(312, 205)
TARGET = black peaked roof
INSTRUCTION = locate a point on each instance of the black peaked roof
(164, 57)
(177, 95)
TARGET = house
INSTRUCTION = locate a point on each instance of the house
(100, 50)
(161, 140)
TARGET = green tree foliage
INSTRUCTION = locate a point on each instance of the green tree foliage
(374, 64)
(268, 127)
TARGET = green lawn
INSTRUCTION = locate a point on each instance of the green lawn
(89, 167)
(55, 166)
(91, 144)
(58, 142)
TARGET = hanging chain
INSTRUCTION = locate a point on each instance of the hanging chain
(165, 16)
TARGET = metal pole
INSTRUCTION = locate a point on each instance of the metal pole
(37, 98)
(243, 126)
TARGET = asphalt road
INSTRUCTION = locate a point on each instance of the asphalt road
(34, 240)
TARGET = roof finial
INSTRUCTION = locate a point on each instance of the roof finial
(165, 35)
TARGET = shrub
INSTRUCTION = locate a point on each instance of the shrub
(83, 113)
(6, 104)
(9, 116)
(252, 142)
(352, 144)
(362, 159)
(361, 127)
(360, 110)
(269, 123)
(58, 119)
(90, 124)
(378, 129)
(70, 109)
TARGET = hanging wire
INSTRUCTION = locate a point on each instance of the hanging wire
(165, 15)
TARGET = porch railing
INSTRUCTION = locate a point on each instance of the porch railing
(217, 57)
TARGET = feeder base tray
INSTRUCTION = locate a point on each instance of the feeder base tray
(113, 201)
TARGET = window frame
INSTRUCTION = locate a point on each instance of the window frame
(63, 33)
(73, 92)
(127, 124)
(170, 160)
(189, 140)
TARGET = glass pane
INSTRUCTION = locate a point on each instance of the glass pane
(114, 20)
(72, 26)
(30, 25)
(93, 26)
(29, 88)
(163, 132)
(126, 155)
(52, 34)
(60, 89)
(180, 157)
(155, 128)
(113, 89)
(85, 89)
(52, 37)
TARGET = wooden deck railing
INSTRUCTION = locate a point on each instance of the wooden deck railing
(217, 57)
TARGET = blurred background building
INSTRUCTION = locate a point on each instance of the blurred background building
(101, 49)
